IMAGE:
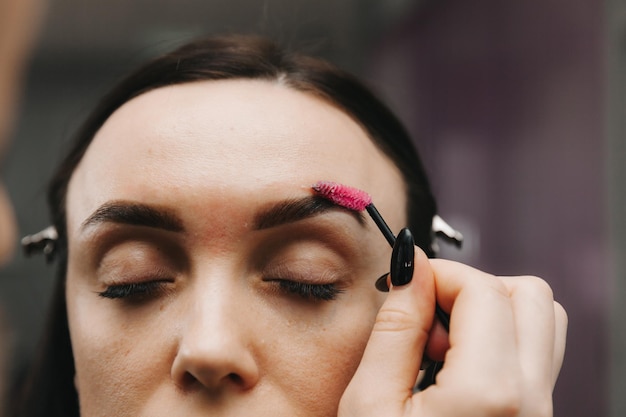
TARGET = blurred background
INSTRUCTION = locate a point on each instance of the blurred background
(516, 106)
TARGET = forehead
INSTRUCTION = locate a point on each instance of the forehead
(234, 138)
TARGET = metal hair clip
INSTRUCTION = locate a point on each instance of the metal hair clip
(443, 230)
(43, 242)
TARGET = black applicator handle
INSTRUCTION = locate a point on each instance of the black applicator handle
(380, 222)
(405, 236)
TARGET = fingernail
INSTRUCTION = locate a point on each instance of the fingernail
(402, 258)
(381, 283)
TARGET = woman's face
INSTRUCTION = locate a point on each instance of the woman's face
(203, 278)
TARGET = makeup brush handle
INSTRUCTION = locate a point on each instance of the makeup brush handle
(380, 222)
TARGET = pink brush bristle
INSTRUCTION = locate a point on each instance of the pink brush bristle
(342, 195)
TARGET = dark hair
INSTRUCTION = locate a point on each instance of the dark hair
(218, 58)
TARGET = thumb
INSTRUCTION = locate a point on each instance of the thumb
(391, 361)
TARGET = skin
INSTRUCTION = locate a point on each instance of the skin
(220, 335)
(222, 340)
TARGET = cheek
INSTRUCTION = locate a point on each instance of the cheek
(306, 356)
(119, 363)
(316, 365)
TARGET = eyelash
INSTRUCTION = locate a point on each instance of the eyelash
(138, 291)
(144, 290)
(312, 292)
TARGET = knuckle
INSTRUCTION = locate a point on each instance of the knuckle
(540, 286)
(503, 403)
(510, 399)
(496, 284)
(503, 399)
(390, 319)
(533, 286)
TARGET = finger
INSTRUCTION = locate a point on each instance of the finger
(481, 370)
(533, 307)
(541, 327)
(392, 358)
(560, 337)
(496, 343)
(482, 325)
(481, 373)
(438, 343)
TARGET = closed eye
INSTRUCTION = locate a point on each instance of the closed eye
(139, 291)
(312, 292)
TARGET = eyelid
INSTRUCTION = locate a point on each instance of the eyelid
(139, 280)
(100, 240)
(304, 271)
(121, 249)
(329, 230)
(118, 277)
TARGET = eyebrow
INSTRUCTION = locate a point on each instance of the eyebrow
(290, 211)
(135, 214)
(280, 213)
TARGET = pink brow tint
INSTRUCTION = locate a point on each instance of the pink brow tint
(358, 200)
(355, 200)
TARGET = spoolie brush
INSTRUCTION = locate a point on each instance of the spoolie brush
(358, 200)
(355, 200)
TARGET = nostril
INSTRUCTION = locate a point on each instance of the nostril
(236, 379)
(188, 381)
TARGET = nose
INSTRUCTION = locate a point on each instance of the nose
(215, 350)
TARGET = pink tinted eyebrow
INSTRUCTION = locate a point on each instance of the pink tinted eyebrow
(345, 196)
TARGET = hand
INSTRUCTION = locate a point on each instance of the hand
(502, 356)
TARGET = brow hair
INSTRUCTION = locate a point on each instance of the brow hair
(290, 211)
(125, 212)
